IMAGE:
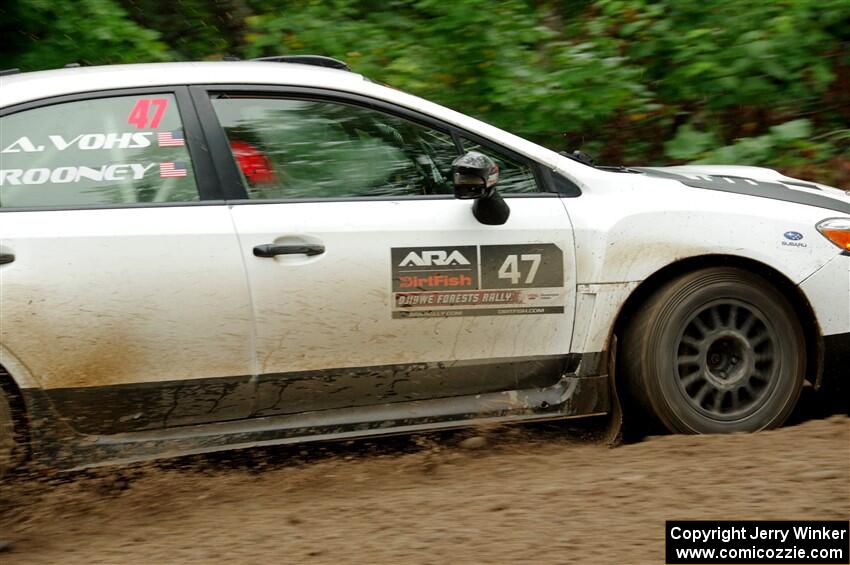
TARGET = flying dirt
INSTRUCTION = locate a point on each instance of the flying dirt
(549, 493)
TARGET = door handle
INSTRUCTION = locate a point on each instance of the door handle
(6, 258)
(271, 250)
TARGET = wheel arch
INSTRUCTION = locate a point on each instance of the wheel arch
(14, 379)
(802, 308)
(20, 415)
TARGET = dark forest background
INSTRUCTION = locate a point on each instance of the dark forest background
(630, 81)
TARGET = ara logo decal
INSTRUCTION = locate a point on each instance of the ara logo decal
(793, 235)
(435, 268)
(437, 257)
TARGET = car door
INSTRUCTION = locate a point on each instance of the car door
(123, 291)
(370, 282)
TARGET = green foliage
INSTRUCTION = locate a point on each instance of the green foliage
(688, 143)
(453, 52)
(791, 146)
(194, 29)
(779, 140)
(52, 33)
(635, 81)
(726, 54)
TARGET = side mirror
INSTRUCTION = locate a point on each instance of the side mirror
(474, 176)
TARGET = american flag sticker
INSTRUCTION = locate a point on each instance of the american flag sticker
(175, 169)
(170, 138)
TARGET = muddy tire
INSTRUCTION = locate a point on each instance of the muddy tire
(7, 435)
(715, 351)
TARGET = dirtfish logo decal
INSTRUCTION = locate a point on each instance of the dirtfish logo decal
(438, 257)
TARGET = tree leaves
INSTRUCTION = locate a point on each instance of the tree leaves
(50, 34)
(689, 143)
(631, 80)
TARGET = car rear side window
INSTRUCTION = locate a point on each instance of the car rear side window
(292, 148)
(102, 151)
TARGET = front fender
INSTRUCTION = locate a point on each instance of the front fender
(627, 235)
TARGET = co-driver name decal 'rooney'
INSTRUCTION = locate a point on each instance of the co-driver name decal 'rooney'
(472, 280)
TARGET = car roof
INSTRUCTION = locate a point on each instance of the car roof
(24, 87)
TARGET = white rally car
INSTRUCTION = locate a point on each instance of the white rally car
(203, 256)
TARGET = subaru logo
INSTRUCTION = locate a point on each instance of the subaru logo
(793, 235)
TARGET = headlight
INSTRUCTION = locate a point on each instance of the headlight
(837, 231)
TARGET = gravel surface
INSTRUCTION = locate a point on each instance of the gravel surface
(537, 494)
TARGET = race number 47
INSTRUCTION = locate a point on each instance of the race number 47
(512, 270)
(522, 265)
(146, 108)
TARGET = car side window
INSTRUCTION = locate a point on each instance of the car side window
(101, 151)
(514, 177)
(293, 148)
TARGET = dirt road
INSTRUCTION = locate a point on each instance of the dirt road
(545, 494)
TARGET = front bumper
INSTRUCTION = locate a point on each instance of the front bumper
(828, 291)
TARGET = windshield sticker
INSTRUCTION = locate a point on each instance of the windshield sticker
(486, 280)
(145, 107)
(84, 142)
(170, 170)
(170, 138)
(63, 175)
(23, 145)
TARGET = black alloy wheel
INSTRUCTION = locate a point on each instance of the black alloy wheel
(716, 350)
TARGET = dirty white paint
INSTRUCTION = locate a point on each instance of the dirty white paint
(334, 309)
(831, 288)
(98, 297)
(634, 225)
(597, 307)
(149, 294)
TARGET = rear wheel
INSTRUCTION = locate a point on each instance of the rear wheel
(717, 350)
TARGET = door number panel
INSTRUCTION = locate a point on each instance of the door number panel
(473, 280)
